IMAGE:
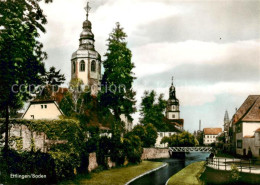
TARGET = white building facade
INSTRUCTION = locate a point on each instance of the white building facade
(246, 127)
(210, 135)
(43, 110)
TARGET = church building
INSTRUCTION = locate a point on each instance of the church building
(172, 118)
(86, 61)
(173, 109)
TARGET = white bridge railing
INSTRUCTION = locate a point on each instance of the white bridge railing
(190, 149)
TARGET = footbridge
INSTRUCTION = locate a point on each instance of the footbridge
(190, 149)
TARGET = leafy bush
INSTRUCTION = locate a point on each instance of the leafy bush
(117, 150)
(182, 139)
(27, 163)
(234, 172)
(103, 151)
(133, 148)
(147, 134)
(65, 157)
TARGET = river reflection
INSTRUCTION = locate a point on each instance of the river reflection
(174, 165)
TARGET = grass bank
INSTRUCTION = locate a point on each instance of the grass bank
(116, 176)
(188, 175)
(218, 177)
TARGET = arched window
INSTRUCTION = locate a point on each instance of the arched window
(82, 66)
(99, 68)
(93, 66)
(74, 67)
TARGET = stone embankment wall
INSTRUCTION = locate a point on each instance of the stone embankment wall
(148, 153)
(155, 153)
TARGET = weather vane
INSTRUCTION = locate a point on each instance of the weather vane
(87, 8)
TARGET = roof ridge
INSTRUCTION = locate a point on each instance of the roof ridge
(248, 110)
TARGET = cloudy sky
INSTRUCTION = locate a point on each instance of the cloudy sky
(212, 48)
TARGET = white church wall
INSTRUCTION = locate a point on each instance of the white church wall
(83, 75)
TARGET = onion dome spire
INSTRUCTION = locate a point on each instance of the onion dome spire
(87, 37)
(172, 90)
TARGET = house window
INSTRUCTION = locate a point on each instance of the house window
(207, 136)
(45, 106)
(173, 116)
(239, 143)
(173, 107)
(93, 66)
(239, 128)
(32, 116)
(82, 66)
(161, 134)
(42, 106)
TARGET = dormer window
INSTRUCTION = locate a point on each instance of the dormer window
(82, 66)
(93, 66)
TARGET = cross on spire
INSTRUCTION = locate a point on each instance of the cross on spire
(87, 8)
(172, 80)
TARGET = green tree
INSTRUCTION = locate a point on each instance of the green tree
(147, 134)
(152, 110)
(199, 137)
(184, 139)
(21, 54)
(53, 77)
(133, 148)
(77, 101)
(117, 93)
(151, 135)
(51, 81)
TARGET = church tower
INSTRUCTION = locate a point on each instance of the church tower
(226, 121)
(86, 61)
(172, 110)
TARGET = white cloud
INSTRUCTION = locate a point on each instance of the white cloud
(159, 57)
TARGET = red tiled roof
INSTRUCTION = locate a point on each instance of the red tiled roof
(212, 131)
(249, 110)
(249, 136)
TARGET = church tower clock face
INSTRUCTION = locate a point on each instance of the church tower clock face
(86, 61)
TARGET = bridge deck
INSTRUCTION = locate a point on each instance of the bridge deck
(190, 149)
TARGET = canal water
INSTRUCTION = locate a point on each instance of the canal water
(161, 176)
